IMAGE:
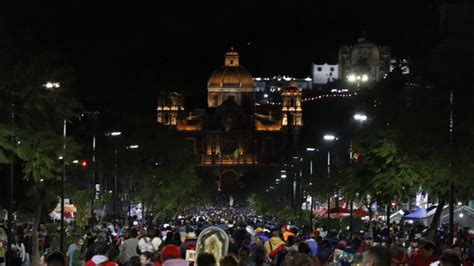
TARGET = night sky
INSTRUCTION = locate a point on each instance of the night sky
(127, 51)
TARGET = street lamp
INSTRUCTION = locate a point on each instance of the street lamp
(130, 147)
(360, 117)
(50, 86)
(311, 150)
(329, 138)
(114, 134)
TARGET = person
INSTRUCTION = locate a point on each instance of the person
(2, 252)
(28, 243)
(206, 259)
(243, 255)
(450, 259)
(134, 261)
(313, 245)
(146, 258)
(18, 251)
(129, 247)
(377, 256)
(171, 256)
(101, 249)
(274, 245)
(228, 260)
(285, 230)
(150, 242)
(55, 259)
(257, 257)
(301, 259)
(425, 256)
(73, 252)
(94, 246)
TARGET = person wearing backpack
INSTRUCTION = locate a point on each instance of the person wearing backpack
(149, 243)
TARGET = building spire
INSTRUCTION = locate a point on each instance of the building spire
(231, 58)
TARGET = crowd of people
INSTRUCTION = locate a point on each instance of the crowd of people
(253, 240)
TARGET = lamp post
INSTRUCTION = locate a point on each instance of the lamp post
(131, 147)
(114, 134)
(329, 138)
(361, 118)
(50, 86)
(311, 150)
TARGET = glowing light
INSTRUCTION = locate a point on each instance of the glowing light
(461, 215)
(115, 133)
(365, 77)
(351, 78)
(51, 85)
(283, 176)
(310, 149)
(75, 161)
(133, 146)
(360, 117)
(329, 137)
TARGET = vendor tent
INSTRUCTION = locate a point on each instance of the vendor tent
(396, 217)
(360, 213)
(337, 213)
(462, 215)
(415, 215)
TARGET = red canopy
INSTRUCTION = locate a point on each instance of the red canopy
(320, 212)
(334, 212)
(339, 210)
(360, 213)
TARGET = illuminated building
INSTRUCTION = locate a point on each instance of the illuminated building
(235, 136)
(322, 74)
(364, 57)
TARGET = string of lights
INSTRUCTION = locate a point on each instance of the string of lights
(315, 98)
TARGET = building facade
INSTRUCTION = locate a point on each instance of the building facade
(234, 136)
(364, 57)
(322, 74)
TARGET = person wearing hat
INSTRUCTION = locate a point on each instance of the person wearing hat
(285, 230)
(171, 256)
(190, 241)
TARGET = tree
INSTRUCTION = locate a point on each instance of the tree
(33, 138)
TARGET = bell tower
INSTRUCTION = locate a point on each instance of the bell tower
(291, 107)
(231, 58)
(169, 105)
(292, 114)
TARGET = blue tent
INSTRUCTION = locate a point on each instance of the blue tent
(415, 215)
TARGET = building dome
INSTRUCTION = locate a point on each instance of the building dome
(231, 77)
(231, 74)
